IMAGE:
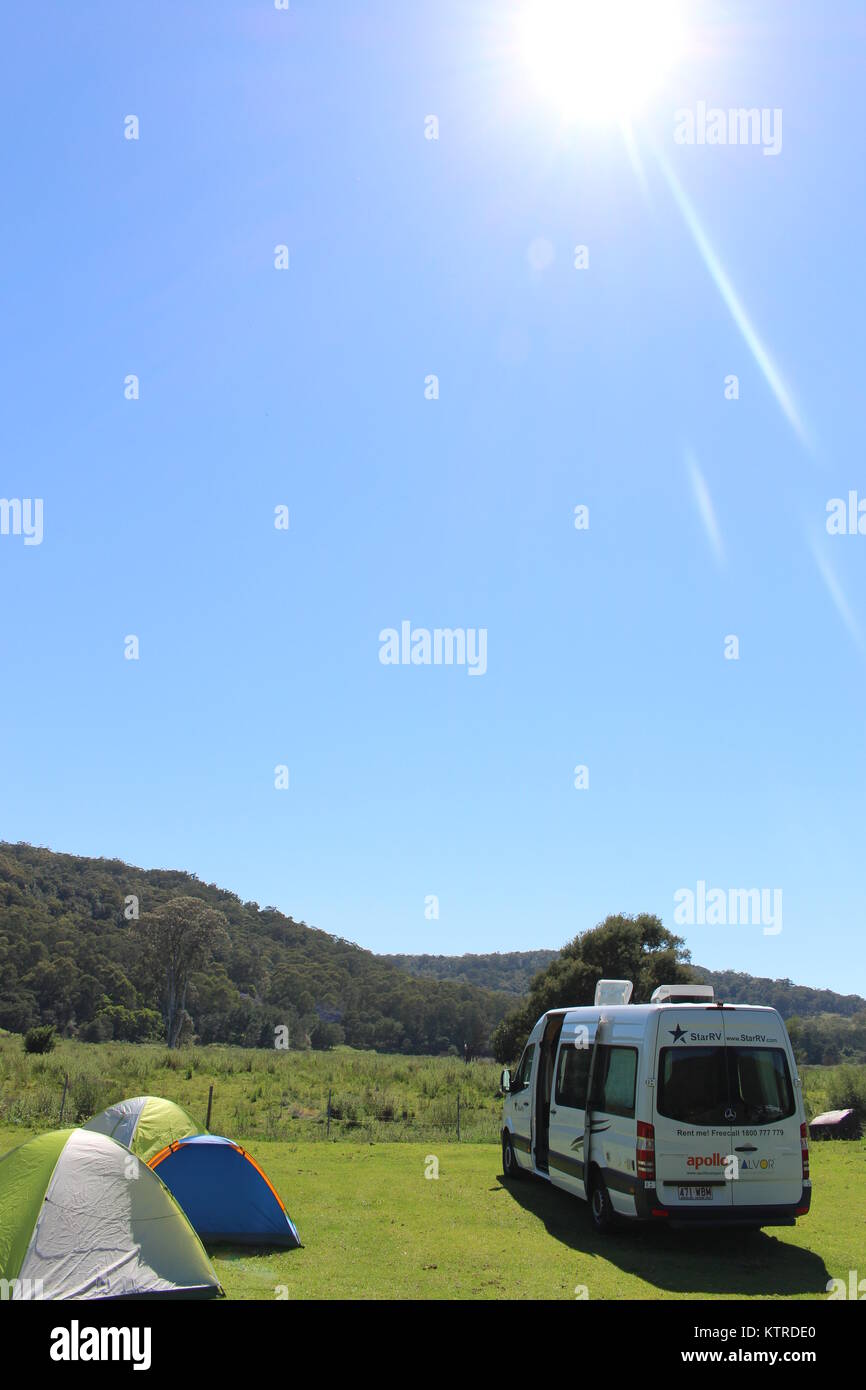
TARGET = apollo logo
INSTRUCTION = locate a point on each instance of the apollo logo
(729, 1164)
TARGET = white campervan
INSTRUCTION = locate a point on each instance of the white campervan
(682, 1110)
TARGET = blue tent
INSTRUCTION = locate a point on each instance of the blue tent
(224, 1192)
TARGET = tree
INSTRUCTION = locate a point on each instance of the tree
(847, 1086)
(179, 938)
(40, 1039)
(326, 1035)
(636, 948)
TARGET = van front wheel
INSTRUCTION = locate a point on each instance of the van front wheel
(509, 1159)
(600, 1206)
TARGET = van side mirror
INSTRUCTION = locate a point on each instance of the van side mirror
(505, 1081)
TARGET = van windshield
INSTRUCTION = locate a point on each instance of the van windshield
(724, 1086)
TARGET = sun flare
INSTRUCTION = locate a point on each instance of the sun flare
(601, 60)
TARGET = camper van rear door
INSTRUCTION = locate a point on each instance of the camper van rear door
(693, 1113)
(766, 1134)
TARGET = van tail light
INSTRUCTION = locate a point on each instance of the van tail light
(804, 1146)
(646, 1152)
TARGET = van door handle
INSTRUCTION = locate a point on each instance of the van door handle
(553, 1112)
(745, 1149)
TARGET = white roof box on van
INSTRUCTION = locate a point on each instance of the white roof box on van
(613, 992)
(682, 994)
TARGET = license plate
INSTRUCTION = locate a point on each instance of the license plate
(694, 1194)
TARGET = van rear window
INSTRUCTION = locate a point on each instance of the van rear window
(693, 1085)
(724, 1086)
(762, 1085)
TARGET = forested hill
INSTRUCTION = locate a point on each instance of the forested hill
(791, 1000)
(69, 956)
(513, 970)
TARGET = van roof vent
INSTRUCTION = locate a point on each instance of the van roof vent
(682, 994)
(613, 992)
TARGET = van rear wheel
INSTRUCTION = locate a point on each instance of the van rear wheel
(509, 1159)
(600, 1206)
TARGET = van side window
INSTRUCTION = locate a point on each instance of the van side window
(521, 1076)
(572, 1074)
(614, 1081)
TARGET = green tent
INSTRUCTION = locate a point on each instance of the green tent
(81, 1217)
(145, 1124)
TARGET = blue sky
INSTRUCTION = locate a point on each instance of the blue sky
(558, 387)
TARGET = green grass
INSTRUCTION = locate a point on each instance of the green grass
(374, 1226)
(259, 1093)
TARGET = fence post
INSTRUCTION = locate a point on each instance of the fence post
(209, 1104)
(458, 1117)
(63, 1099)
(328, 1135)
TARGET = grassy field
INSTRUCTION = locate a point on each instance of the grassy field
(259, 1093)
(266, 1094)
(373, 1226)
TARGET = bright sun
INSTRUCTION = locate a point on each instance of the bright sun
(601, 59)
